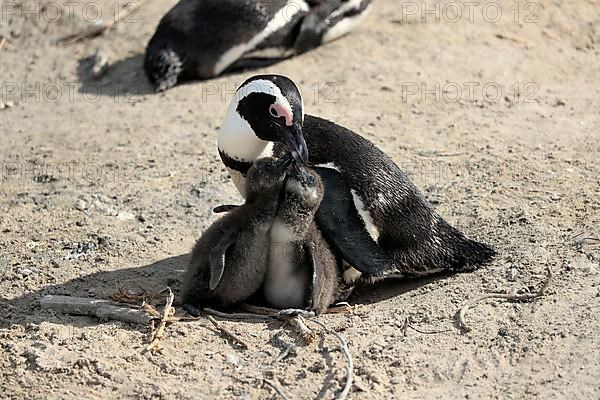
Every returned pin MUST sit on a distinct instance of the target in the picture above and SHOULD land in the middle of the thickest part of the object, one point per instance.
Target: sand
(105, 185)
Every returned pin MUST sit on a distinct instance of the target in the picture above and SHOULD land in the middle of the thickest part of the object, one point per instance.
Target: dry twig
(582, 238)
(298, 323)
(2, 42)
(510, 297)
(292, 316)
(99, 28)
(258, 309)
(237, 316)
(227, 334)
(276, 388)
(346, 351)
(340, 308)
(129, 296)
(407, 325)
(503, 36)
(288, 348)
(151, 310)
(94, 307)
(165, 317)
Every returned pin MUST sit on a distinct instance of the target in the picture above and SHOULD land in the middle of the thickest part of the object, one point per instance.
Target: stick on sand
(95, 308)
(510, 297)
(125, 11)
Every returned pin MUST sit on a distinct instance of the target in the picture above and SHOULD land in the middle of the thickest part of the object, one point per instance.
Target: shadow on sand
(126, 78)
(122, 80)
(152, 279)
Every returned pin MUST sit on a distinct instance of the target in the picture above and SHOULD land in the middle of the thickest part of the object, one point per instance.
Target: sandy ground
(106, 185)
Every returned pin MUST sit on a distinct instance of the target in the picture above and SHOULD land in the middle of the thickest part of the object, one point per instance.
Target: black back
(411, 233)
(198, 32)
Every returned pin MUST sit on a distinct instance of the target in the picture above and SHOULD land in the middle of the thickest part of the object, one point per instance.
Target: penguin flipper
(315, 284)
(217, 260)
(311, 34)
(224, 208)
(343, 228)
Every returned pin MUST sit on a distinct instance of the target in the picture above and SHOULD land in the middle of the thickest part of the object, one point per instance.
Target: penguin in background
(229, 261)
(201, 39)
(303, 271)
(371, 213)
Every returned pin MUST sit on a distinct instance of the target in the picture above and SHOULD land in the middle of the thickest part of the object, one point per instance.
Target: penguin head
(265, 108)
(266, 176)
(304, 186)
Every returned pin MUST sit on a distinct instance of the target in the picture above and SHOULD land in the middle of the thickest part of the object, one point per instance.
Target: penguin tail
(163, 68)
(472, 255)
(463, 254)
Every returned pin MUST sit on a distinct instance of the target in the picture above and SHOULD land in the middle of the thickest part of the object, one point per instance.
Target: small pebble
(125, 216)
(26, 271)
(232, 359)
(6, 104)
(100, 63)
(81, 205)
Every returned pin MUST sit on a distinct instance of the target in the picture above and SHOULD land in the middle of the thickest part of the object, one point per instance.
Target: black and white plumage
(372, 215)
(302, 271)
(200, 39)
(229, 261)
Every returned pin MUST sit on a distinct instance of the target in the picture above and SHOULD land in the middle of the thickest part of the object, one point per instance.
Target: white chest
(239, 181)
(287, 278)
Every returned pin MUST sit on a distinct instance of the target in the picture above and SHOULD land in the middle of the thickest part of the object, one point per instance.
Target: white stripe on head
(345, 25)
(236, 137)
(268, 87)
(345, 7)
(282, 17)
(263, 86)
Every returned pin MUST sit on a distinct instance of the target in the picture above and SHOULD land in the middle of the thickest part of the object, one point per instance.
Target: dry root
(167, 313)
(227, 334)
(276, 388)
(510, 297)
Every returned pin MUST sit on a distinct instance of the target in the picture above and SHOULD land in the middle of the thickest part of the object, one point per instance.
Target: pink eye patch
(278, 110)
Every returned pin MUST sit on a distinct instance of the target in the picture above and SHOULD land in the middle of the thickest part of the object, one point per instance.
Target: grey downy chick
(302, 272)
(229, 261)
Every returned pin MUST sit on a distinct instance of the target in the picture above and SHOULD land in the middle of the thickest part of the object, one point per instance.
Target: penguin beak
(293, 139)
(283, 164)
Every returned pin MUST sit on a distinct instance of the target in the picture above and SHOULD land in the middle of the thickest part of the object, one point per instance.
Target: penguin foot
(192, 310)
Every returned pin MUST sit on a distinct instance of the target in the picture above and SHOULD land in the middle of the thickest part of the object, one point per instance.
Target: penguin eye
(273, 111)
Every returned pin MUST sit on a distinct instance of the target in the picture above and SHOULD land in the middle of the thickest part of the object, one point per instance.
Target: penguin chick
(302, 270)
(229, 261)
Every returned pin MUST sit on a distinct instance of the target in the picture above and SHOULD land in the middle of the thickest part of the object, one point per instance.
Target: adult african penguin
(371, 213)
(200, 39)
